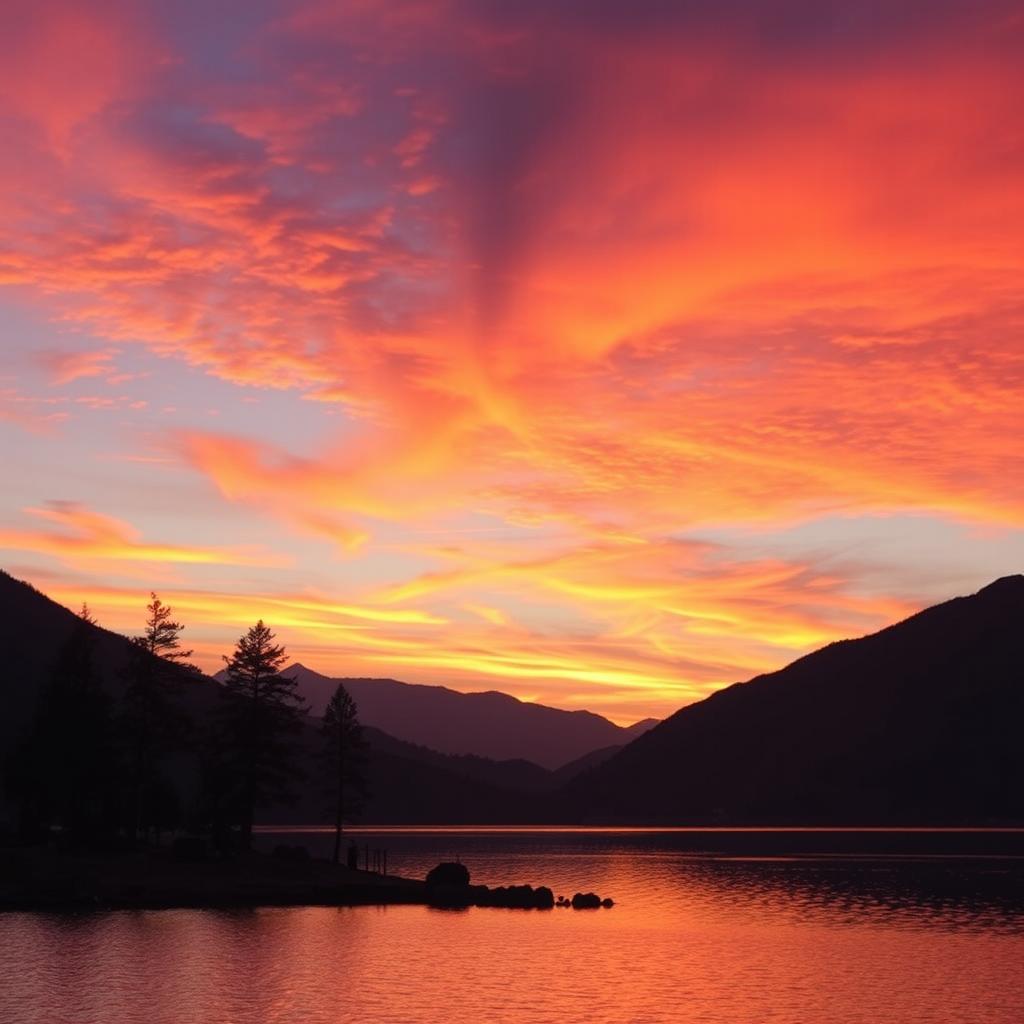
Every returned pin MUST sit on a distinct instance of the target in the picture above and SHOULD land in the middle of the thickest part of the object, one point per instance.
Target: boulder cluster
(585, 901)
(448, 886)
(524, 897)
(521, 897)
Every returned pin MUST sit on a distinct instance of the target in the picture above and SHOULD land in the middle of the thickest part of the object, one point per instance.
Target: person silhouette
(353, 856)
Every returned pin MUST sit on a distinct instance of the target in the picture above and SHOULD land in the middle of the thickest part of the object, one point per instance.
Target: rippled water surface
(705, 929)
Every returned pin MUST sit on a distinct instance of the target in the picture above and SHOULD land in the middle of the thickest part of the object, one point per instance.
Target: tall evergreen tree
(261, 717)
(162, 635)
(344, 757)
(153, 722)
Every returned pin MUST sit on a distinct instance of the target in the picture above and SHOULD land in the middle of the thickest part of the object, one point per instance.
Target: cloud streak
(84, 535)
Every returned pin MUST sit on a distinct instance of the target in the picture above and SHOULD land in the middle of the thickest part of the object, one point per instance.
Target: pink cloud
(65, 367)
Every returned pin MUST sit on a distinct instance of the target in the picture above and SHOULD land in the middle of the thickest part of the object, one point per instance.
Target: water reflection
(716, 936)
(795, 873)
(916, 892)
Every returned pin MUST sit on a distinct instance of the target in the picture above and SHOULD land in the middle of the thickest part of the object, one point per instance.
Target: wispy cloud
(81, 534)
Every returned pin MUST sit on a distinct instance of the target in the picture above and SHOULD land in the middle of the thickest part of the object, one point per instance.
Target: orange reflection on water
(692, 936)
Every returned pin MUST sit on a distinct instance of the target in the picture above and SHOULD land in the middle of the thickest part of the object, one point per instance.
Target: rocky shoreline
(40, 879)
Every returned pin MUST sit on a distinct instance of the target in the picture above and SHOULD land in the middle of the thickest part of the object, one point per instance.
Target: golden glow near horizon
(599, 358)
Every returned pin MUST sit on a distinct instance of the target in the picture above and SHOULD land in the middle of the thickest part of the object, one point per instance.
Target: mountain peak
(1013, 584)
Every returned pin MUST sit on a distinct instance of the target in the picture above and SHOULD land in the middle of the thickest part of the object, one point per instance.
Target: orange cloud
(685, 635)
(87, 535)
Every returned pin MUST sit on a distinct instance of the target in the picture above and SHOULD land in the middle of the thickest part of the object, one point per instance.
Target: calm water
(707, 928)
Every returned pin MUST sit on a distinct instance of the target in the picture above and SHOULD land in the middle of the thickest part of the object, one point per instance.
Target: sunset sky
(604, 353)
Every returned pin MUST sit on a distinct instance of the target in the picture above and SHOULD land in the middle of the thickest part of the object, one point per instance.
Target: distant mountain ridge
(408, 782)
(491, 724)
(920, 723)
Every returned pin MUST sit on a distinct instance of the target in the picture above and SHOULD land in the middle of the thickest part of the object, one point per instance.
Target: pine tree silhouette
(343, 756)
(261, 715)
(152, 721)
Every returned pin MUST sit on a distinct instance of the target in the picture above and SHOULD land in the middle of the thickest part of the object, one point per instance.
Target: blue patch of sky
(213, 34)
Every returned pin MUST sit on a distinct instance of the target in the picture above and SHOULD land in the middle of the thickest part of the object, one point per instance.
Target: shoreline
(42, 879)
(46, 879)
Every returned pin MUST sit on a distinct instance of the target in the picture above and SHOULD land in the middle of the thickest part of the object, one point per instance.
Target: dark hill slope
(411, 785)
(32, 631)
(516, 775)
(922, 722)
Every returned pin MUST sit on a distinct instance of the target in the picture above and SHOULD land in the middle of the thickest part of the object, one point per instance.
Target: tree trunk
(247, 826)
(249, 808)
(339, 808)
(337, 834)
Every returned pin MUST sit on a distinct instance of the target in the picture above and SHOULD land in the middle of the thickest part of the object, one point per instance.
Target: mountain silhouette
(407, 782)
(920, 723)
(492, 725)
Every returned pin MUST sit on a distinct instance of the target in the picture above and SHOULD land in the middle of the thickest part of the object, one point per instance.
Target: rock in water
(448, 873)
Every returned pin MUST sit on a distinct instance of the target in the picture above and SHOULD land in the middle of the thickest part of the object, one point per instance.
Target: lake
(709, 926)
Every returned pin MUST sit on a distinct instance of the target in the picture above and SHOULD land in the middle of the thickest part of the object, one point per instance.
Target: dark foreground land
(42, 878)
(47, 879)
